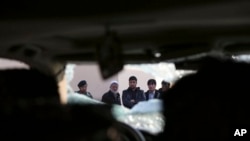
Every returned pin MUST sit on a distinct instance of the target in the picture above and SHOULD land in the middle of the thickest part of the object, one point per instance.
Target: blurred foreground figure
(209, 105)
(30, 110)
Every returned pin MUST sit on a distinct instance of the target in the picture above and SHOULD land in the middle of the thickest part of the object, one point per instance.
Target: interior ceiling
(91, 8)
(175, 28)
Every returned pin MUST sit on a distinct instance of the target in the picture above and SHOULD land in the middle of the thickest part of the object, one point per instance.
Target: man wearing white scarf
(112, 96)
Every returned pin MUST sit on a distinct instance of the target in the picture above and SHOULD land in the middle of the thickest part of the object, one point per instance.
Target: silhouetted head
(27, 84)
(210, 104)
(132, 82)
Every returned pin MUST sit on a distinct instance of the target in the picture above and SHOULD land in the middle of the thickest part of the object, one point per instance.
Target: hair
(151, 81)
(23, 83)
(82, 83)
(132, 78)
(163, 82)
(30, 99)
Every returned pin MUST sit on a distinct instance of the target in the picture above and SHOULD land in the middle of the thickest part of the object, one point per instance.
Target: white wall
(12, 64)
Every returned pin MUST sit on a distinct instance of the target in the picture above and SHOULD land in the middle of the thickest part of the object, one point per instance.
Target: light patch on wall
(12, 64)
(161, 71)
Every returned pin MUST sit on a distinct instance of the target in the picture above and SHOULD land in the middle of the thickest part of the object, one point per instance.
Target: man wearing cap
(112, 96)
(82, 85)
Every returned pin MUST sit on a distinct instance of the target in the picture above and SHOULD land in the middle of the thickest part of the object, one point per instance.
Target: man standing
(82, 85)
(112, 96)
(152, 92)
(133, 94)
(165, 86)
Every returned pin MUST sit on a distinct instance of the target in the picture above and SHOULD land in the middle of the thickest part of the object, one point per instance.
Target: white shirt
(151, 95)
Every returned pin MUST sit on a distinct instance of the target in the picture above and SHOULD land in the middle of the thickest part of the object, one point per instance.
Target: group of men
(130, 96)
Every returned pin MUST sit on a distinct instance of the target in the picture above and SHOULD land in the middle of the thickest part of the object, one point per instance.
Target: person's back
(29, 100)
(30, 110)
(27, 84)
(209, 105)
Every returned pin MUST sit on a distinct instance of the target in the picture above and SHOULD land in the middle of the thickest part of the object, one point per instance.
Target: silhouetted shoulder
(209, 104)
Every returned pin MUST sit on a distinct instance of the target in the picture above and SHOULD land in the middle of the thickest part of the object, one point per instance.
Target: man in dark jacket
(152, 91)
(82, 85)
(112, 96)
(133, 94)
(165, 86)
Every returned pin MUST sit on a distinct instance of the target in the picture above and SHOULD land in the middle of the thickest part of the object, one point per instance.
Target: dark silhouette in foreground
(30, 110)
(209, 105)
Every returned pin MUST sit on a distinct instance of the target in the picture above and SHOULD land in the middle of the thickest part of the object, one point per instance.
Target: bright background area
(12, 64)
(98, 86)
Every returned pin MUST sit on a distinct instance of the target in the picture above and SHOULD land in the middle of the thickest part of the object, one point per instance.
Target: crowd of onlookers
(130, 96)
